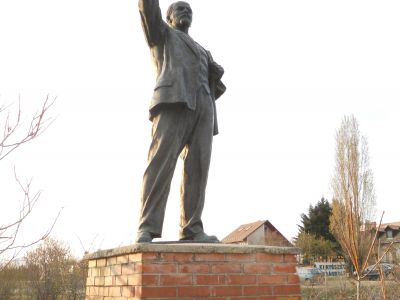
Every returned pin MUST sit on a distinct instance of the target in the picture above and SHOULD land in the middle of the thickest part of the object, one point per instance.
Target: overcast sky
(293, 69)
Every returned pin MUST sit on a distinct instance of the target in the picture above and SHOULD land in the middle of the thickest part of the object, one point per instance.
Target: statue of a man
(184, 120)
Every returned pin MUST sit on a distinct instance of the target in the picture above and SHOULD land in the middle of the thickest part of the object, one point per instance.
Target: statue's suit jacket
(177, 60)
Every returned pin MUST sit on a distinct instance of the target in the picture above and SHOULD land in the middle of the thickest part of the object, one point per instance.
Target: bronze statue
(184, 120)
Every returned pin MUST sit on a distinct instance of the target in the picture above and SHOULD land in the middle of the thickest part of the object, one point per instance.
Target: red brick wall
(219, 276)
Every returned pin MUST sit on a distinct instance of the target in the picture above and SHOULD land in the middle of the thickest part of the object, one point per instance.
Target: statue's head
(179, 15)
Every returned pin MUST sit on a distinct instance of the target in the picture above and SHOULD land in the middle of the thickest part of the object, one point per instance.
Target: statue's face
(181, 16)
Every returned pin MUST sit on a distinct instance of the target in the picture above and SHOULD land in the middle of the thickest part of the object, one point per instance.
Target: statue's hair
(171, 8)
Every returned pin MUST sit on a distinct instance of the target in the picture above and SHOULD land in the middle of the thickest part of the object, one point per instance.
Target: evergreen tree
(315, 228)
(318, 220)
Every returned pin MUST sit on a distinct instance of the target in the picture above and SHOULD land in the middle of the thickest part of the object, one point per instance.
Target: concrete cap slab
(190, 248)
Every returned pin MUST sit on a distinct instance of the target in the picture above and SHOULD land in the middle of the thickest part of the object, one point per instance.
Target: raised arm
(152, 22)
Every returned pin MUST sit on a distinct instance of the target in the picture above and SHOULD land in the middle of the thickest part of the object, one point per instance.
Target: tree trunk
(358, 288)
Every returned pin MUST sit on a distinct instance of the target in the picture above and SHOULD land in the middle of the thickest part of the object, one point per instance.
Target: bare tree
(48, 268)
(15, 133)
(314, 248)
(353, 205)
(11, 281)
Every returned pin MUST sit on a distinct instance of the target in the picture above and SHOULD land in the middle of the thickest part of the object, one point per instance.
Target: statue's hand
(217, 70)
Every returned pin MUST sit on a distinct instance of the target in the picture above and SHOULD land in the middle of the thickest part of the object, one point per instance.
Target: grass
(343, 288)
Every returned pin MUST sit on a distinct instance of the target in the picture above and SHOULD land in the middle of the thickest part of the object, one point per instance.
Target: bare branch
(14, 134)
(379, 260)
(27, 204)
(373, 243)
(38, 124)
(9, 233)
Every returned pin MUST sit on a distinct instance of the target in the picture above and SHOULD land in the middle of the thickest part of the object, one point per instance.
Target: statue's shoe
(201, 237)
(144, 237)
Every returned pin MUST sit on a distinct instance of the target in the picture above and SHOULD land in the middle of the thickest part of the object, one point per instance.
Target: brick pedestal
(193, 271)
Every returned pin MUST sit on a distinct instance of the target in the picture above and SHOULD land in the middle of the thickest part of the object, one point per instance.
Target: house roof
(393, 226)
(242, 232)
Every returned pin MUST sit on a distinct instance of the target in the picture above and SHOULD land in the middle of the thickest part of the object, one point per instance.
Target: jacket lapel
(189, 42)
